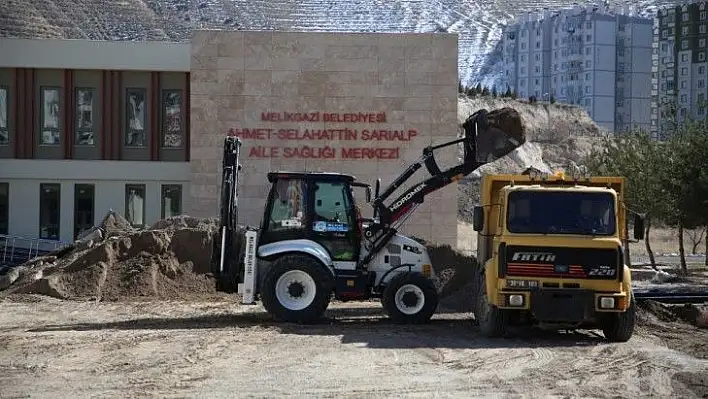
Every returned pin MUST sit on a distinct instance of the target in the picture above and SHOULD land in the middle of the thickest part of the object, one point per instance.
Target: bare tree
(696, 237)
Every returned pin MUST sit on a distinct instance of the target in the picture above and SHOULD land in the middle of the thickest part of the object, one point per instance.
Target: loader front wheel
(410, 298)
(297, 288)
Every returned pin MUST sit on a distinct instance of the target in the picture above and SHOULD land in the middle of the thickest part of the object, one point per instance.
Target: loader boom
(388, 218)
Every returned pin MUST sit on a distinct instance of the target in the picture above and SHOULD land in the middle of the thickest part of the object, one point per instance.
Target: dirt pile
(114, 261)
(454, 271)
(696, 315)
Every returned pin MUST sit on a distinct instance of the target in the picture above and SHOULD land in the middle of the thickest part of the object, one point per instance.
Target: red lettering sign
(344, 117)
(314, 134)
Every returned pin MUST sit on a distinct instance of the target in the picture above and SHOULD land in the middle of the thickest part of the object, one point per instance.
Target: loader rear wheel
(410, 298)
(297, 288)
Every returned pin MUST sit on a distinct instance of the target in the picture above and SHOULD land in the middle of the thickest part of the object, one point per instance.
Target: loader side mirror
(638, 227)
(378, 188)
(478, 218)
(368, 194)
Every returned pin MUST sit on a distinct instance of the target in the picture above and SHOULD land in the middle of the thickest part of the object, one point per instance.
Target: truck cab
(550, 250)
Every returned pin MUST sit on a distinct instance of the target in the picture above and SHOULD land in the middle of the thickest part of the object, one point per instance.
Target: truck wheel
(410, 298)
(490, 319)
(619, 327)
(297, 288)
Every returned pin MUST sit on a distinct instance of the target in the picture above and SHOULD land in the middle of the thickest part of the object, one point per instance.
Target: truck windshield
(553, 212)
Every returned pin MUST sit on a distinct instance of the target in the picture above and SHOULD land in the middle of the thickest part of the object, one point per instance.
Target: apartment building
(681, 70)
(586, 56)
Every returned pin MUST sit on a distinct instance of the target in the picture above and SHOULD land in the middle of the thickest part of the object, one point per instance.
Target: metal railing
(15, 250)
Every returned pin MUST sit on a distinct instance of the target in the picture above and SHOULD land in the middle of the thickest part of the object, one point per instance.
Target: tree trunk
(648, 245)
(705, 252)
(682, 251)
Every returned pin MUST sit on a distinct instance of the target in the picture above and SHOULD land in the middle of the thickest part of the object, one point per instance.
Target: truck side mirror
(478, 218)
(638, 227)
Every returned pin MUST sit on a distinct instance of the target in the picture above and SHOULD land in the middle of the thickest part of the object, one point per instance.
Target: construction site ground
(218, 348)
(134, 312)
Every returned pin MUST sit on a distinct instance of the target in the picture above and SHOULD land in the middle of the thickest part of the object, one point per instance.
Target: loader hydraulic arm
(482, 143)
(389, 215)
(223, 259)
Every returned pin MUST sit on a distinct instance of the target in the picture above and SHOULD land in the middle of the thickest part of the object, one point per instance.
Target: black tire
(491, 320)
(323, 283)
(430, 298)
(619, 327)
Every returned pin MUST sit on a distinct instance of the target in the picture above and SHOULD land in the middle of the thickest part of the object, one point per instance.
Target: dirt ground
(215, 348)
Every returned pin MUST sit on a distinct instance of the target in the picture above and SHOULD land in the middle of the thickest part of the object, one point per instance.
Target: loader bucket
(496, 134)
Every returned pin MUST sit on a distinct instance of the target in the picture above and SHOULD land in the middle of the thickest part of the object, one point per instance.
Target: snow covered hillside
(478, 22)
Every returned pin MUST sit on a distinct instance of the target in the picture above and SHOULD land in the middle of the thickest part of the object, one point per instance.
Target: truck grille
(560, 262)
(541, 270)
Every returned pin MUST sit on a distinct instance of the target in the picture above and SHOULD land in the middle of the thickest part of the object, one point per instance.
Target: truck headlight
(516, 300)
(607, 302)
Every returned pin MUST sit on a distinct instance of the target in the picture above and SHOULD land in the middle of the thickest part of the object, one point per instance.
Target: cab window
(332, 206)
(288, 205)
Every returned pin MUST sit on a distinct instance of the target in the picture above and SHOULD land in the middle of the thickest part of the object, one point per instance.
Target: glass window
(4, 110)
(4, 207)
(84, 122)
(84, 204)
(50, 116)
(135, 204)
(332, 203)
(333, 223)
(136, 116)
(171, 200)
(288, 210)
(536, 212)
(171, 118)
(49, 210)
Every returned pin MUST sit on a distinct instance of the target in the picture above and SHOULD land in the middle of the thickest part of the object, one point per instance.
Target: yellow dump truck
(550, 253)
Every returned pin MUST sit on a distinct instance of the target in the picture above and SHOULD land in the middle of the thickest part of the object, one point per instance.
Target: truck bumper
(564, 305)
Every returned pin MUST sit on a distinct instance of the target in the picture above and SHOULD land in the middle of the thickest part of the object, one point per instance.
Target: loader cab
(313, 206)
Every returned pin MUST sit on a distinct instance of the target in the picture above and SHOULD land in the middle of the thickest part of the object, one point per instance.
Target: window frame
(42, 92)
(6, 129)
(163, 192)
(42, 188)
(92, 129)
(128, 132)
(5, 215)
(126, 197)
(163, 119)
(77, 187)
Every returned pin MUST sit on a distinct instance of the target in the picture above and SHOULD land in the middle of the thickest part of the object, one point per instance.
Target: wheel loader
(313, 244)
